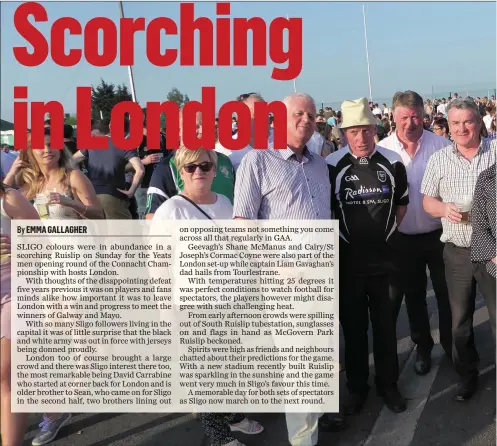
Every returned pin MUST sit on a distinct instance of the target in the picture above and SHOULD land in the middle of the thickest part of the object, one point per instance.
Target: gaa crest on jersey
(382, 176)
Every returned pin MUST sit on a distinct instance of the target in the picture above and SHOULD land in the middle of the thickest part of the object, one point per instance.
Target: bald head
(299, 96)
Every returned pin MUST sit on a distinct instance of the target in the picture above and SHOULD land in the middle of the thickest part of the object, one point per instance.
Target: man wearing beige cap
(369, 198)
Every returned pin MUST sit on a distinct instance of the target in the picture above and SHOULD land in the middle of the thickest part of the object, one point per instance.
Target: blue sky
(450, 46)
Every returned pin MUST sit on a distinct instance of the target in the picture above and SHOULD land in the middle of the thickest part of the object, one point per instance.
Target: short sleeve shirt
(450, 176)
(106, 168)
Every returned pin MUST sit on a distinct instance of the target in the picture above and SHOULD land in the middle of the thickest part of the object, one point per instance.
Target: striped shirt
(273, 184)
(450, 176)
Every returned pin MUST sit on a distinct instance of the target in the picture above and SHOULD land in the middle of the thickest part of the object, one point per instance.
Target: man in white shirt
(442, 108)
(418, 241)
(236, 156)
(377, 110)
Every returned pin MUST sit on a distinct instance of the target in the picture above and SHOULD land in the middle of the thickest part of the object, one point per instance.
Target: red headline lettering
(248, 126)
(228, 37)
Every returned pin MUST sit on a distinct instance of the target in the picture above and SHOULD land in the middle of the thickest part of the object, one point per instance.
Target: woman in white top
(197, 202)
(70, 196)
(12, 206)
(49, 172)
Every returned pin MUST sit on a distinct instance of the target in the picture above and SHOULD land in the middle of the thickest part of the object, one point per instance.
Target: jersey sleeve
(161, 187)
(333, 179)
(402, 190)
(129, 154)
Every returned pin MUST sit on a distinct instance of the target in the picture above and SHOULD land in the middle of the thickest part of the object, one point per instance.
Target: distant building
(7, 137)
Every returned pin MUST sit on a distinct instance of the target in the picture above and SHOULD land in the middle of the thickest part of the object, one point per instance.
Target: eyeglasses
(204, 167)
(244, 96)
(437, 128)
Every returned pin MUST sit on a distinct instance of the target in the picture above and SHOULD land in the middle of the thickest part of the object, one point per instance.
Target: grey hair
(464, 104)
(255, 96)
(293, 96)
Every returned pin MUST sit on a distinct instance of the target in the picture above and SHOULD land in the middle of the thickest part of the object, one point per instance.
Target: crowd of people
(412, 185)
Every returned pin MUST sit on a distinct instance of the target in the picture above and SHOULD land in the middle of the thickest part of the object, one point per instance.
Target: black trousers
(462, 278)
(363, 298)
(415, 253)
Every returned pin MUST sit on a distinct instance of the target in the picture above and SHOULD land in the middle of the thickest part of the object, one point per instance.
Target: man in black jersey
(369, 198)
(150, 159)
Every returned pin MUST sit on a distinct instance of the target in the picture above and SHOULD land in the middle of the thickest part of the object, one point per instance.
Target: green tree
(176, 96)
(71, 120)
(122, 94)
(105, 96)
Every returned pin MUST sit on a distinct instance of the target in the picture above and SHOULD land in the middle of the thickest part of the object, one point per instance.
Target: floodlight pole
(130, 69)
(367, 53)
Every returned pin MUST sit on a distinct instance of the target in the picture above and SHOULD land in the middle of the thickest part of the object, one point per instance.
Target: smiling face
(198, 172)
(409, 123)
(301, 121)
(439, 130)
(465, 127)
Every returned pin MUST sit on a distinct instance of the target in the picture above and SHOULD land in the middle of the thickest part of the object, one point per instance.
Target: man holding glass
(448, 187)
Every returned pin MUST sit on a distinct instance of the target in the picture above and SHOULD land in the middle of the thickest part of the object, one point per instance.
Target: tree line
(106, 95)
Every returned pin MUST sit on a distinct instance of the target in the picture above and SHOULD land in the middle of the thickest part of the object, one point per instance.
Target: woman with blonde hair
(12, 206)
(47, 172)
(197, 169)
(47, 177)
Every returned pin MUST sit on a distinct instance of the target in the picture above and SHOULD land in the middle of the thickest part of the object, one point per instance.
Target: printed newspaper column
(180, 316)
(87, 332)
(257, 304)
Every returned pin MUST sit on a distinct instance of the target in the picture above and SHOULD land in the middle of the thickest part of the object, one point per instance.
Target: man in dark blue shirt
(106, 171)
(369, 198)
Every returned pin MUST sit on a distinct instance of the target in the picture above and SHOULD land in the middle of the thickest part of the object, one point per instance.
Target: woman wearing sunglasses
(197, 169)
(197, 202)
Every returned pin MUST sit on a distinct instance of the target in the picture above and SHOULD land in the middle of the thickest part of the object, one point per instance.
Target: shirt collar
(400, 146)
(357, 157)
(287, 153)
(481, 148)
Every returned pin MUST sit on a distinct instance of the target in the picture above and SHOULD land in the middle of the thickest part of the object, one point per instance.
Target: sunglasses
(204, 167)
(244, 96)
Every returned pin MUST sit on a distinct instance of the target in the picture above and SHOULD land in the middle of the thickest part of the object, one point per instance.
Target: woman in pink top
(12, 206)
